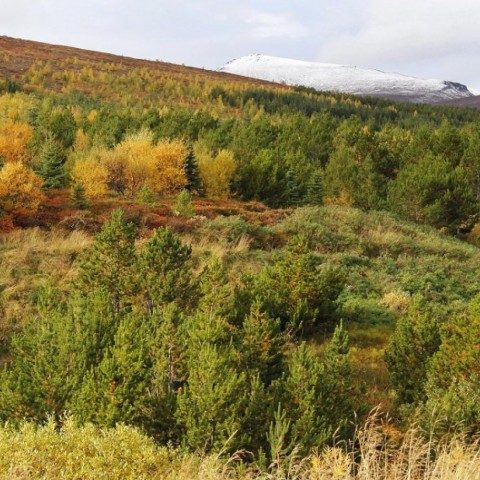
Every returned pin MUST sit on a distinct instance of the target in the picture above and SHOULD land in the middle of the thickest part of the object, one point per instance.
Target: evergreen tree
(111, 263)
(53, 353)
(192, 172)
(294, 198)
(298, 288)
(167, 354)
(453, 382)
(117, 389)
(261, 344)
(318, 396)
(183, 205)
(416, 339)
(165, 270)
(77, 197)
(51, 167)
(211, 405)
(315, 189)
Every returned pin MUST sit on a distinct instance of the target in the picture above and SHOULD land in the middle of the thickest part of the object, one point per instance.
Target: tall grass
(29, 259)
(376, 453)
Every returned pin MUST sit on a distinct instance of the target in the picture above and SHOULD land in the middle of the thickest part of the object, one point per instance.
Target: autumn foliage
(20, 189)
(14, 137)
(132, 165)
(92, 176)
(217, 173)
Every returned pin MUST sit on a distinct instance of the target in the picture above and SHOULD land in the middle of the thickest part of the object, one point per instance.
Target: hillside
(346, 79)
(239, 270)
(42, 66)
(472, 102)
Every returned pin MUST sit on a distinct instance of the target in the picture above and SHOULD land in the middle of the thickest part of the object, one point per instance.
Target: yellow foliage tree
(92, 175)
(170, 157)
(81, 141)
(16, 107)
(20, 188)
(137, 162)
(216, 172)
(133, 158)
(14, 137)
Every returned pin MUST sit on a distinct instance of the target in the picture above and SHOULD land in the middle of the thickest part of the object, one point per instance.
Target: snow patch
(346, 79)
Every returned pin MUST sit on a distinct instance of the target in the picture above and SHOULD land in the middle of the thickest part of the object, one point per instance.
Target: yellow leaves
(92, 116)
(20, 188)
(133, 159)
(170, 157)
(16, 107)
(159, 167)
(14, 137)
(133, 164)
(81, 141)
(92, 176)
(216, 172)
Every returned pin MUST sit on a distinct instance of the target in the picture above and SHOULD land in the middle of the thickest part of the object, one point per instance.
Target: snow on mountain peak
(345, 78)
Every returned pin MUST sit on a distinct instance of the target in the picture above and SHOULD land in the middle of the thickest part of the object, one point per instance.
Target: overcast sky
(426, 38)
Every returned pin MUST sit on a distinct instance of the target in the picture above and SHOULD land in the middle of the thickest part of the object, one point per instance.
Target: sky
(425, 38)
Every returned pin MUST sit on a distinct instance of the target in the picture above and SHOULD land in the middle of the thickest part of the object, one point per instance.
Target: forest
(210, 277)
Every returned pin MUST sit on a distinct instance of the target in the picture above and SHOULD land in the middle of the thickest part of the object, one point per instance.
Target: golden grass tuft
(377, 453)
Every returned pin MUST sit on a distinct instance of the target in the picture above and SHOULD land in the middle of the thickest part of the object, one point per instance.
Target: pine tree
(340, 394)
(167, 354)
(411, 347)
(117, 389)
(53, 353)
(211, 404)
(51, 167)
(111, 263)
(293, 196)
(165, 270)
(261, 345)
(192, 172)
(77, 197)
(298, 288)
(315, 189)
(183, 205)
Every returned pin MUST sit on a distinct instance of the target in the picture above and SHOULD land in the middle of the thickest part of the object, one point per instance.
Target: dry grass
(29, 259)
(379, 453)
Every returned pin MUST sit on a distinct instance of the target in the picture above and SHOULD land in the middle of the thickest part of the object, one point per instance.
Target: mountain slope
(20, 60)
(468, 102)
(348, 79)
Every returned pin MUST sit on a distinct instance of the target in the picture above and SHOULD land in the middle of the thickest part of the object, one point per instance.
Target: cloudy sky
(426, 38)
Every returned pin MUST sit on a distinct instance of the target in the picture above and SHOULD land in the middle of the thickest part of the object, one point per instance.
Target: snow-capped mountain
(348, 79)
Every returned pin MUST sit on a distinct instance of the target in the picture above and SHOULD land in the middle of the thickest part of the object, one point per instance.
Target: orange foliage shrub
(20, 188)
(14, 137)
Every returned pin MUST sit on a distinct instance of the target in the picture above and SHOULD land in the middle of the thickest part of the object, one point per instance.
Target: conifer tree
(315, 189)
(192, 172)
(183, 204)
(53, 353)
(298, 288)
(51, 167)
(261, 345)
(110, 264)
(294, 198)
(318, 395)
(211, 404)
(167, 354)
(77, 197)
(165, 270)
(411, 348)
(117, 389)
